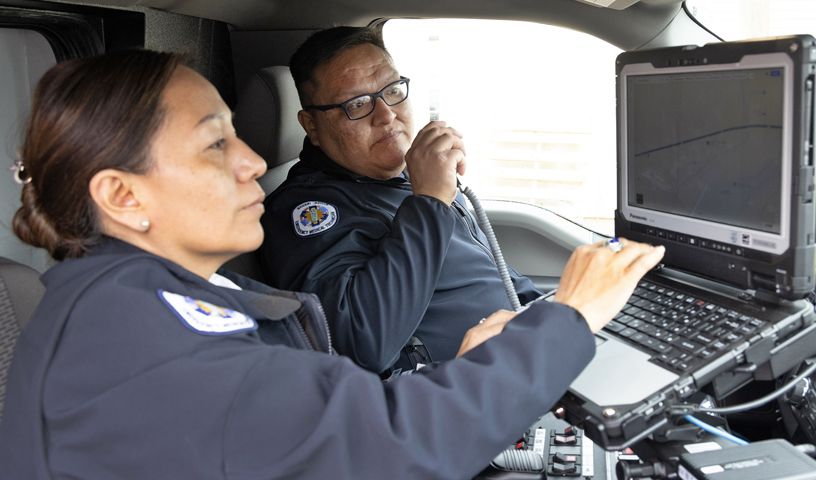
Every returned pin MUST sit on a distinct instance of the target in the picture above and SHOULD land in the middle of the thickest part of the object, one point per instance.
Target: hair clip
(20, 170)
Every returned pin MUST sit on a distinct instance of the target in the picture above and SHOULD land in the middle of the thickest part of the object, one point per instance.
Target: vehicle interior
(530, 83)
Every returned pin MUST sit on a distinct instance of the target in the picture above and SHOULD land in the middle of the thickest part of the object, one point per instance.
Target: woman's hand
(598, 281)
(487, 328)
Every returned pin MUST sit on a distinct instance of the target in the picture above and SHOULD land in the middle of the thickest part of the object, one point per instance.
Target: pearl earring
(145, 224)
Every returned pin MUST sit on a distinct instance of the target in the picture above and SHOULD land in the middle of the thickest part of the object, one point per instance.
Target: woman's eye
(218, 145)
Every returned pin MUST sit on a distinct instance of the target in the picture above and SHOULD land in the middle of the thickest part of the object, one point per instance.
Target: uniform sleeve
(306, 415)
(375, 276)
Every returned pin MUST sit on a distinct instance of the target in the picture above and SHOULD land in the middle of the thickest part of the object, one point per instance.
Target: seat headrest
(266, 115)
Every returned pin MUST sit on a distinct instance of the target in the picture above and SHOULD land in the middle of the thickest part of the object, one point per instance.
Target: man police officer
(394, 261)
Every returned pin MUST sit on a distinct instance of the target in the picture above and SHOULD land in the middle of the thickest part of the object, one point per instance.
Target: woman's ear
(116, 202)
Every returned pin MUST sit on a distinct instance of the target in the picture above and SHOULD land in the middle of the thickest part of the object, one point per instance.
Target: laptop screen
(705, 151)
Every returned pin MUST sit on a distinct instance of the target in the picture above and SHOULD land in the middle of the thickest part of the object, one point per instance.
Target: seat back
(266, 119)
(20, 292)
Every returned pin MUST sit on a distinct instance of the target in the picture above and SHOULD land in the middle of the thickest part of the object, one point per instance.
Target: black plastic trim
(75, 31)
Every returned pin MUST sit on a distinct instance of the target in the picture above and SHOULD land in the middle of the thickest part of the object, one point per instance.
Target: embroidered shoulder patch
(313, 217)
(205, 318)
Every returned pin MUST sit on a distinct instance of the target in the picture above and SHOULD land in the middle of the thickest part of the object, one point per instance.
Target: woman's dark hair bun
(33, 228)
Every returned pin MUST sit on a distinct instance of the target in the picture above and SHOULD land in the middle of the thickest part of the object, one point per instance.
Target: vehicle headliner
(629, 28)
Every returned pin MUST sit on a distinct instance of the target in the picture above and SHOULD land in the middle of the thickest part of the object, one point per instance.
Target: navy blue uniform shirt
(109, 381)
(386, 264)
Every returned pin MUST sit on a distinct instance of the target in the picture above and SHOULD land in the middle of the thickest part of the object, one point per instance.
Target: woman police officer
(141, 362)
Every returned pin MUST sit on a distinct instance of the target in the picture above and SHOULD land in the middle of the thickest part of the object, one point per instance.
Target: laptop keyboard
(679, 331)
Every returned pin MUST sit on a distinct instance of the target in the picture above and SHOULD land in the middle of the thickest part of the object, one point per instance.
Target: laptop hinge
(765, 287)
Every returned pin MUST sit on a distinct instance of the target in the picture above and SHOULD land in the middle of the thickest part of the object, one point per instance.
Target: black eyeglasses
(362, 106)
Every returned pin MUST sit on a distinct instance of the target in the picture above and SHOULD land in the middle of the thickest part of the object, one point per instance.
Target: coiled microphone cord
(484, 224)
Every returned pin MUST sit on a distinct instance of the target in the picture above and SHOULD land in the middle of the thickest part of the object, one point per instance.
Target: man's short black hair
(323, 46)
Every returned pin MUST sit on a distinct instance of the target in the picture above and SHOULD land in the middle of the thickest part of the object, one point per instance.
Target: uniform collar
(113, 246)
(260, 300)
(312, 159)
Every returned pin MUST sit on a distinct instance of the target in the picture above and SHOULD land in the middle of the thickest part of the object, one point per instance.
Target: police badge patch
(313, 217)
(204, 317)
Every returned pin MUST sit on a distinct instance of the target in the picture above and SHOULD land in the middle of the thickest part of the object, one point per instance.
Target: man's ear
(307, 122)
(116, 202)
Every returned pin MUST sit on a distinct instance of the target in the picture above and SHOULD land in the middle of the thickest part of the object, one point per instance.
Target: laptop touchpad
(619, 375)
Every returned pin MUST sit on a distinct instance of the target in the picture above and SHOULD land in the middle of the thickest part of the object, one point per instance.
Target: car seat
(266, 119)
(20, 292)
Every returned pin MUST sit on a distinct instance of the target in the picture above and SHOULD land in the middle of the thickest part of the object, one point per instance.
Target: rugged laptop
(715, 161)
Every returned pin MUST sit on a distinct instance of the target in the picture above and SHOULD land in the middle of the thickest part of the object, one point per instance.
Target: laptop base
(787, 338)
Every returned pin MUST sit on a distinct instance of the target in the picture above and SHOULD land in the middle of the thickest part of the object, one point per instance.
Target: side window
(740, 19)
(24, 56)
(536, 105)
